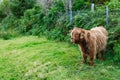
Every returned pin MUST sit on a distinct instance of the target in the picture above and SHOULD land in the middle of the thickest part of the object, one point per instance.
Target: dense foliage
(26, 17)
(18, 7)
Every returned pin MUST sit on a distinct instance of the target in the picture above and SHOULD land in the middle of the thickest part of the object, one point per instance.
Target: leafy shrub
(27, 20)
(114, 31)
(116, 49)
(114, 4)
(8, 22)
(89, 19)
(78, 4)
(5, 35)
(2, 15)
(4, 9)
(8, 27)
(52, 15)
(30, 22)
(114, 43)
(60, 30)
(9, 34)
(18, 7)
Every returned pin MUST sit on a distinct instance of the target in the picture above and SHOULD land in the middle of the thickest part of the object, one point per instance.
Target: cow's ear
(82, 34)
(83, 31)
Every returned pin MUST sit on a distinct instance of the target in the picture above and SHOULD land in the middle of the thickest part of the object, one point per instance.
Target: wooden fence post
(92, 7)
(107, 15)
(70, 12)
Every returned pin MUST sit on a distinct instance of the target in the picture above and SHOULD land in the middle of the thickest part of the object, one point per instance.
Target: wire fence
(107, 15)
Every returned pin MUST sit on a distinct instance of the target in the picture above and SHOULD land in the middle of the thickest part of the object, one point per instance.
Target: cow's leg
(84, 58)
(97, 56)
(101, 55)
(91, 61)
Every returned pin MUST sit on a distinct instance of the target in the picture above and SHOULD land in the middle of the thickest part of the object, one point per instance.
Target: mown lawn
(33, 58)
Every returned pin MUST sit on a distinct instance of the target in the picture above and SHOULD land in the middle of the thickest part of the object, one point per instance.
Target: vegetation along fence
(105, 16)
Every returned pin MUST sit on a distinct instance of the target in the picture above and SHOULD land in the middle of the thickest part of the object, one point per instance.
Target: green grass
(33, 58)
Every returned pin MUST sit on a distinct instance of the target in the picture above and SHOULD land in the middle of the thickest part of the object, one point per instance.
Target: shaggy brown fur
(91, 42)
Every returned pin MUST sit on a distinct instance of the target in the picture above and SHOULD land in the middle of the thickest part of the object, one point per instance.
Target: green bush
(18, 7)
(4, 9)
(8, 22)
(9, 34)
(61, 30)
(89, 19)
(2, 15)
(114, 43)
(114, 4)
(116, 49)
(30, 18)
(78, 4)
(8, 27)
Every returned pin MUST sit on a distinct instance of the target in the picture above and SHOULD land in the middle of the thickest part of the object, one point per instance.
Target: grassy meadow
(33, 58)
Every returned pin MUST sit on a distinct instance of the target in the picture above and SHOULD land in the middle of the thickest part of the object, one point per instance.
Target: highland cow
(91, 42)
